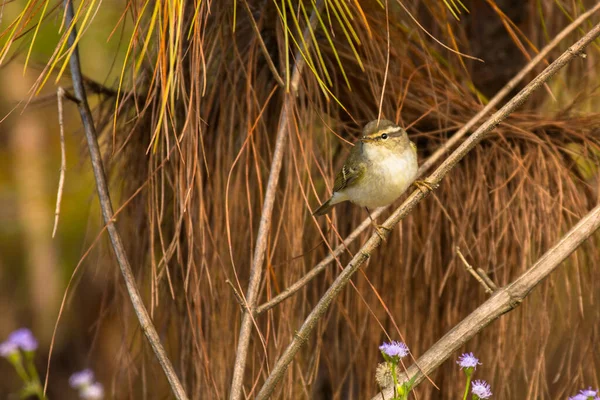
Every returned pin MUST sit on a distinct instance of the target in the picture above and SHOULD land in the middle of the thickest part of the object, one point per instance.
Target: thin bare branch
(430, 162)
(266, 215)
(434, 179)
(503, 301)
(488, 281)
(470, 269)
(60, 94)
(108, 214)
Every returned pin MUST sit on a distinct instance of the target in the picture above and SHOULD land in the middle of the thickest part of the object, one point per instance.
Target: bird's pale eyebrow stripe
(390, 130)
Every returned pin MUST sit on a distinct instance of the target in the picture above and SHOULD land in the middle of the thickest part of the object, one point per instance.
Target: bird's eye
(384, 136)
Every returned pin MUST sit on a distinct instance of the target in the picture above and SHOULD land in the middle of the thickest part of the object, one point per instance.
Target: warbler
(379, 168)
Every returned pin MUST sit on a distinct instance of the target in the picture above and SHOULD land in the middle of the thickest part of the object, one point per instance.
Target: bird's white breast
(388, 176)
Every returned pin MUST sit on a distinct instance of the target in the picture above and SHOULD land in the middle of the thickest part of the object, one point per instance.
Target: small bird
(379, 168)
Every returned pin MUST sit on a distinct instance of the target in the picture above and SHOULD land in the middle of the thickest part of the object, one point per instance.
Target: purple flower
(24, 339)
(94, 391)
(589, 392)
(585, 394)
(394, 349)
(81, 379)
(468, 360)
(578, 397)
(8, 348)
(481, 389)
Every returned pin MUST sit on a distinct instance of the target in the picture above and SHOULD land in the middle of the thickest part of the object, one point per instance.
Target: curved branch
(426, 166)
(503, 301)
(363, 254)
(108, 214)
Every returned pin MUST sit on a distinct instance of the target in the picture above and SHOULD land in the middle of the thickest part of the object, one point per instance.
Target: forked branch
(108, 214)
(434, 179)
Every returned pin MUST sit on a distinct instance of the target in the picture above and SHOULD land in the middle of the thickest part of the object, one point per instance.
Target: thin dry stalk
(60, 94)
(434, 179)
(503, 301)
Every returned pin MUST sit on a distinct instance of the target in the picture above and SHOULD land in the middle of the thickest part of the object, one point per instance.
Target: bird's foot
(425, 186)
(381, 231)
(378, 228)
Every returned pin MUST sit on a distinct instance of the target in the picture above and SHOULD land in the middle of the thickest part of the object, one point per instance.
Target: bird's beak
(366, 139)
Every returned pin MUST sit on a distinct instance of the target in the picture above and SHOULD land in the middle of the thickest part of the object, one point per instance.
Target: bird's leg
(425, 186)
(378, 228)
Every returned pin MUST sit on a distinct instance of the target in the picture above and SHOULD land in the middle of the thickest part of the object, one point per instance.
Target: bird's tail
(324, 209)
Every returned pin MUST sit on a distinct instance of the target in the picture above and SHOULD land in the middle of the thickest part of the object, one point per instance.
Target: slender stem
(434, 179)
(108, 214)
(467, 387)
(35, 378)
(502, 301)
(31, 366)
(394, 378)
(18, 365)
(428, 164)
(265, 221)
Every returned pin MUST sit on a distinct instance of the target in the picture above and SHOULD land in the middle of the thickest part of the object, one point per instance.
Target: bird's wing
(348, 176)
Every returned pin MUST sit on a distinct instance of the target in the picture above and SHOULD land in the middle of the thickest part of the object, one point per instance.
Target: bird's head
(385, 134)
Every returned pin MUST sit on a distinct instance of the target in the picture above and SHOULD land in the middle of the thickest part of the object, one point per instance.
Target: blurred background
(188, 157)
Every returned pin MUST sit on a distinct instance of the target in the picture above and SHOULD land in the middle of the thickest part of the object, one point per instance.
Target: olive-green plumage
(379, 168)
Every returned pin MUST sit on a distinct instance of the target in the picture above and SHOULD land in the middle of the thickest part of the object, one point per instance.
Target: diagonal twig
(471, 270)
(266, 215)
(501, 302)
(486, 278)
(108, 214)
(426, 166)
(434, 179)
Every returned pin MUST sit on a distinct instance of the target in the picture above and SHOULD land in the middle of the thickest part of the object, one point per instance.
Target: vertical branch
(302, 334)
(266, 216)
(108, 215)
